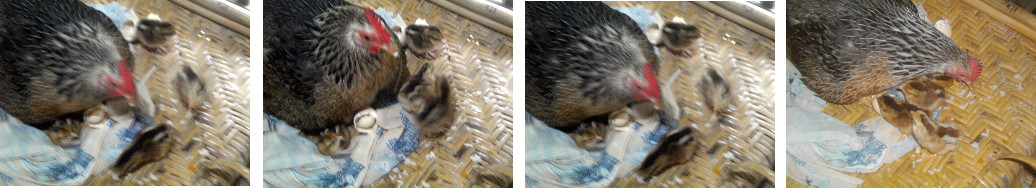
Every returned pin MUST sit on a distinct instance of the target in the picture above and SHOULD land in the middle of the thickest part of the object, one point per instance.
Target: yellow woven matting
(996, 115)
(479, 60)
(747, 59)
(220, 141)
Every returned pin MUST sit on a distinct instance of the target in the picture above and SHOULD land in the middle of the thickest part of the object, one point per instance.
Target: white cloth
(290, 160)
(820, 146)
(552, 158)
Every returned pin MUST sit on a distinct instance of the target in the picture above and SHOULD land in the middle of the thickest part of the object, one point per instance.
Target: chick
(493, 176)
(589, 134)
(152, 33)
(897, 113)
(924, 93)
(332, 141)
(680, 38)
(65, 131)
(423, 40)
(942, 80)
(675, 148)
(193, 88)
(429, 101)
(717, 93)
(937, 138)
(150, 145)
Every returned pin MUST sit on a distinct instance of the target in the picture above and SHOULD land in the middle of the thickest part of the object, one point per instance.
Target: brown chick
(924, 93)
(424, 40)
(429, 101)
(65, 131)
(897, 113)
(942, 80)
(675, 148)
(152, 33)
(589, 134)
(681, 39)
(493, 176)
(717, 94)
(937, 138)
(332, 141)
(150, 145)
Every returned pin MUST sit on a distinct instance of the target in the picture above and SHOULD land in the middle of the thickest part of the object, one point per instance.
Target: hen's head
(376, 37)
(645, 88)
(966, 74)
(120, 85)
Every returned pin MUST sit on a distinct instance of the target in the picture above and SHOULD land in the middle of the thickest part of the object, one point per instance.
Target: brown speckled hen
(58, 58)
(325, 61)
(848, 49)
(584, 59)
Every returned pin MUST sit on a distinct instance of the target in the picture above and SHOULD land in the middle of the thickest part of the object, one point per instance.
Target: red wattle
(652, 87)
(976, 68)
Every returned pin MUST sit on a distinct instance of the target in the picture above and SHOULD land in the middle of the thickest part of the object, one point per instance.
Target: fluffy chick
(65, 131)
(924, 93)
(152, 33)
(675, 148)
(429, 101)
(589, 134)
(937, 138)
(680, 38)
(424, 41)
(150, 145)
(897, 113)
(493, 176)
(331, 141)
(717, 94)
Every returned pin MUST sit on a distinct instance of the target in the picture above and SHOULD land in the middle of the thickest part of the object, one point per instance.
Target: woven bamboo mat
(220, 140)
(996, 115)
(744, 57)
(479, 59)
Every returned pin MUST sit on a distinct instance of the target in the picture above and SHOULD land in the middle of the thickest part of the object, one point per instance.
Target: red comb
(382, 35)
(126, 88)
(652, 87)
(976, 68)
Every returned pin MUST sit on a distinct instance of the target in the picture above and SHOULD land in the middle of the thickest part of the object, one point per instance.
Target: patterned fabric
(821, 146)
(28, 157)
(552, 158)
(290, 160)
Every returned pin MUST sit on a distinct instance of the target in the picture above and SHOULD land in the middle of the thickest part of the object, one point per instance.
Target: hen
(59, 58)
(325, 61)
(848, 49)
(584, 59)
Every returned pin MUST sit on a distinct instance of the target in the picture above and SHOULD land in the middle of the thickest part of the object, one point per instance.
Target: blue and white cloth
(28, 157)
(552, 158)
(820, 147)
(290, 160)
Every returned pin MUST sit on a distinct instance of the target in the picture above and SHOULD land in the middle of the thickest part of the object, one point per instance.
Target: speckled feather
(48, 49)
(848, 49)
(577, 54)
(313, 75)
